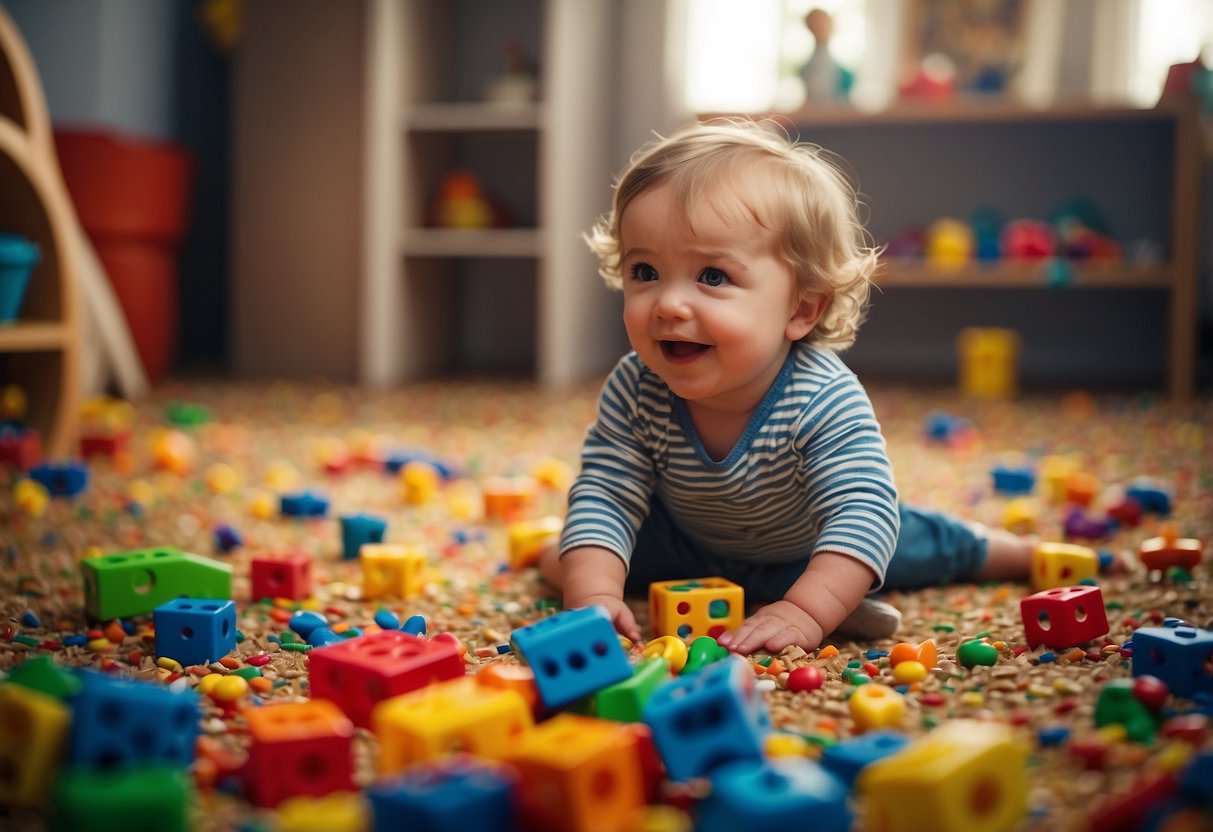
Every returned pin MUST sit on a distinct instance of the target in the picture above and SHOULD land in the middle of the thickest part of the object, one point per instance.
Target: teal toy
(136, 582)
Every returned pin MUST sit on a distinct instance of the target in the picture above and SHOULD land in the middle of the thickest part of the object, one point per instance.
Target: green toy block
(624, 701)
(151, 797)
(40, 673)
(1117, 705)
(136, 582)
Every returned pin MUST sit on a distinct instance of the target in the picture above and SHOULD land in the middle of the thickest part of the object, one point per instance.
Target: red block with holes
(298, 748)
(20, 448)
(359, 673)
(1064, 616)
(282, 576)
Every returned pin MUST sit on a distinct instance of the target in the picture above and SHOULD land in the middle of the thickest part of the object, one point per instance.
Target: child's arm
(592, 575)
(829, 590)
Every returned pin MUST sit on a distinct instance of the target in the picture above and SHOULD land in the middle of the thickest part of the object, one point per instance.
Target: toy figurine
(824, 79)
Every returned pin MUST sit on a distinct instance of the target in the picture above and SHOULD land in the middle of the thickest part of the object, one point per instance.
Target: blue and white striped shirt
(810, 474)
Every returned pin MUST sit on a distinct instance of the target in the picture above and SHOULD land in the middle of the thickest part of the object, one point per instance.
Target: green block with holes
(624, 701)
(121, 799)
(136, 582)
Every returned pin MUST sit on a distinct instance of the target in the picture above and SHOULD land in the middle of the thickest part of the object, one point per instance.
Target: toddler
(733, 441)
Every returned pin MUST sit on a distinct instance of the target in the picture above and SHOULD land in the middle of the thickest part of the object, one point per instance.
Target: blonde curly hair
(753, 171)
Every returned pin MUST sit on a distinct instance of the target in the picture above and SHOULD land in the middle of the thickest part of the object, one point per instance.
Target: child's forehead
(732, 199)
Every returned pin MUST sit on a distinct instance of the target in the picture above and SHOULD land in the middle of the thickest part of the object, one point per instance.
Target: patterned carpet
(239, 447)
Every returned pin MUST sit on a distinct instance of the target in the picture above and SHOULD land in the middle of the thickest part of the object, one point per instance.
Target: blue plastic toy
(573, 654)
(195, 630)
(303, 504)
(784, 794)
(849, 757)
(464, 794)
(65, 479)
(1177, 655)
(1013, 480)
(121, 721)
(360, 529)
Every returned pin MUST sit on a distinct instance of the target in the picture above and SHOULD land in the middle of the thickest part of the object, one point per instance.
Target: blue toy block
(227, 538)
(1153, 499)
(772, 796)
(1177, 655)
(851, 756)
(1196, 781)
(573, 653)
(1013, 480)
(122, 722)
(65, 479)
(358, 529)
(393, 461)
(195, 630)
(463, 793)
(708, 718)
(303, 504)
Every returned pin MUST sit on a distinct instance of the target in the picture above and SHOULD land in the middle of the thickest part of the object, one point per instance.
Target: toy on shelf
(950, 244)
(462, 204)
(1027, 240)
(520, 83)
(18, 257)
(825, 80)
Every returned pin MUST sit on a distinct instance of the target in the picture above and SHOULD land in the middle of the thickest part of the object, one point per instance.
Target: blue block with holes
(195, 630)
(573, 654)
(122, 722)
(851, 756)
(1177, 655)
(460, 793)
(775, 795)
(708, 718)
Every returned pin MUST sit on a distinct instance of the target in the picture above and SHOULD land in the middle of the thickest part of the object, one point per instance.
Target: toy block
(1013, 480)
(195, 630)
(689, 609)
(506, 499)
(104, 445)
(963, 775)
(1053, 473)
(359, 673)
(1020, 515)
(104, 799)
(297, 748)
(1126, 512)
(1078, 525)
(1064, 616)
(876, 706)
(1081, 488)
(303, 504)
(124, 722)
(20, 447)
(344, 811)
(624, 701)
(707, 718)
(66, 479)
(42, 674)
(392, 571)
(528, 538)
(357, 530)
(461, 793)
(1062, 564)
(1180, 656)
(516, 677)
(1153, 497)
(1118, 705)
(419, 482)
(456, 716)
(123, 584)
(573, 653)
(851, 756)
(33, 734)
(287, 575)
(1168, 550)
(763, 794)
(989, 362)
(578, 774)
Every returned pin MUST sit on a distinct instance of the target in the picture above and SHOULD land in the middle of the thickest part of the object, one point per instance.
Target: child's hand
(774, 627)
(620, 612)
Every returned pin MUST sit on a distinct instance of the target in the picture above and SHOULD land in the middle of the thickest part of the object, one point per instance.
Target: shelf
(497, 242)
(915, 274)
(965, 112)
(31, 336)
(473, 116)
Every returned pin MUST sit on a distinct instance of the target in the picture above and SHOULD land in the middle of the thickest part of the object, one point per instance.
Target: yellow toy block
(579, 774)
(1053, 473)
(964, 775)
(1062, 564)
(336, 812)
(1020, 515)
(457, 716)
(876, 706)
(989, 362)
(528, 538)
(391, 571)
(694, 608)
(419, 482)
(33, 730)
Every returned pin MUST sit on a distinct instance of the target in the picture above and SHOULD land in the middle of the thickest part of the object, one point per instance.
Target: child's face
(712, 310)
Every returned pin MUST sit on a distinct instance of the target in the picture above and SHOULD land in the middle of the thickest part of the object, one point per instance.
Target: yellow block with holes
(1062, 564)
(528, 538)
(456, 716)
(391, 571)
(964, 775)
(33, 731)
(876, 706)
(693, 608)
(334, 812)
(579, 774)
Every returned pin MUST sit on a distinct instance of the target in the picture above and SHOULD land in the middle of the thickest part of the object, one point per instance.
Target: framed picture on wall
(963, 47)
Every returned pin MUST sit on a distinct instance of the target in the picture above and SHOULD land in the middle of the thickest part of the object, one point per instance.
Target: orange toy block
(508, 498)
(298, 748)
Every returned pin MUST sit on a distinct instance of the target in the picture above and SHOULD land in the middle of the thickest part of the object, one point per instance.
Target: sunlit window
(1169, 32)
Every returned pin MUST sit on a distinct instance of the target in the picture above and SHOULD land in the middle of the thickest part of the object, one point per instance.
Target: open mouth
(682, 350)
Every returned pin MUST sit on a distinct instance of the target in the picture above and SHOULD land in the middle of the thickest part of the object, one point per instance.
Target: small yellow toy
(419, 482)
(989, 362)
(391, 570)
(33, 732)
(1062, 564)
(1020, 515)
(528, 539)
(876, 706)
(694, 608)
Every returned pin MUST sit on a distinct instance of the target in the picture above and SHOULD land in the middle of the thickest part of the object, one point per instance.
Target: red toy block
(108, 445)
(20, 448)
(1064, 616)
(286, 575)
(298, 748)
(361, 672)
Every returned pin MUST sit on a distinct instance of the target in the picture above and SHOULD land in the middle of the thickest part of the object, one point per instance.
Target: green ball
(973, 653)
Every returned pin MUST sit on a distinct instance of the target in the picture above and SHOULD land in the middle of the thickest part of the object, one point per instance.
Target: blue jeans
(932, 549)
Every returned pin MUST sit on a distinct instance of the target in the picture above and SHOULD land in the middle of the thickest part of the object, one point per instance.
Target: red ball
(805, 679)
(1151, 692)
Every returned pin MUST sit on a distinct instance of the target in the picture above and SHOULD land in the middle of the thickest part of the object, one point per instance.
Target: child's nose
(672, 302)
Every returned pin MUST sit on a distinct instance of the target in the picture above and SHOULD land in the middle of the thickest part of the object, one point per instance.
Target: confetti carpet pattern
(260, 440)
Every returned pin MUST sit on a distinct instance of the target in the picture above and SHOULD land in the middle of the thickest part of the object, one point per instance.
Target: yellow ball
(909, 671)
(230, 689)
(31, 497)
(671, 648)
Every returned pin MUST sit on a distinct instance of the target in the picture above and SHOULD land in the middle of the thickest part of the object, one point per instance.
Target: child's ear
(807, 313)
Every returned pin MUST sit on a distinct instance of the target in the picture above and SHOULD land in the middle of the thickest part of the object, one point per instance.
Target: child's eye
(713, 277)
(644, 273)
